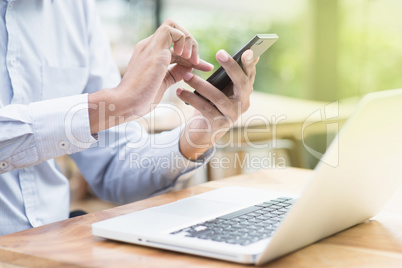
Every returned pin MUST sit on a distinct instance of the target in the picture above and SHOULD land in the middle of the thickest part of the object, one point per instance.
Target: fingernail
(222, 55)
(250, 55)
(188, 76)
(179, 91)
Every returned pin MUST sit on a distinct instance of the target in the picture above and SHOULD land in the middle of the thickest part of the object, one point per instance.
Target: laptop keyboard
(242, 227)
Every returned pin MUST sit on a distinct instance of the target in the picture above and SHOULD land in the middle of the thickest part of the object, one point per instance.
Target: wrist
(105, 110)
(194, 143)
(191, 151)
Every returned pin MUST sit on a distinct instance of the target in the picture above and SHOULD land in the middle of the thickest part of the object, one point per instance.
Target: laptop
(255, 226)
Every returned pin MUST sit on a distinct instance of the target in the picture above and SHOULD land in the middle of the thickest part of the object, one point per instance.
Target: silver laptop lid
(368, 170)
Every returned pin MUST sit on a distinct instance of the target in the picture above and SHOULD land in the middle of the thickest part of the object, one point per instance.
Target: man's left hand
(216, 112)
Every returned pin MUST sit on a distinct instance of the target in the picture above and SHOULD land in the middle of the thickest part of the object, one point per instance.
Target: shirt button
(13, 62)
(63, 145)
(10, 5)
(4, 165)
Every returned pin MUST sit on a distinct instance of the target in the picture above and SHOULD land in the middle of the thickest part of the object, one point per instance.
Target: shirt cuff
(61, 126)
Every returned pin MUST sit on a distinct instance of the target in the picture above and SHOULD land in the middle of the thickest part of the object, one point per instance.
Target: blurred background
(329, 50)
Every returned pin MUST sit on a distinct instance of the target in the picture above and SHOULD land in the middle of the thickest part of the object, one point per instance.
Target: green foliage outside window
(368, 48)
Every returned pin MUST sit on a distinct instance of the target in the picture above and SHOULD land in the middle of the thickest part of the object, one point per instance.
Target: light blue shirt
(52, 54)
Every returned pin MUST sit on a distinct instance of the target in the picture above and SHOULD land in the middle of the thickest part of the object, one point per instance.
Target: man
(62, 94)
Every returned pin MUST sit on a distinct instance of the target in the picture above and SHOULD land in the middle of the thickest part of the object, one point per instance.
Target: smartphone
(258, 44)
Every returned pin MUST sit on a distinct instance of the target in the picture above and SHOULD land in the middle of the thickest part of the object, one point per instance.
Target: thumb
(175, 74)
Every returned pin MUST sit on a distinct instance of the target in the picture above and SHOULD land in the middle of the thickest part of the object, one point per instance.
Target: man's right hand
(147, 77)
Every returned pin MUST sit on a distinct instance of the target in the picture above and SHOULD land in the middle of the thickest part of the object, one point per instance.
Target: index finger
(190, 45)
(202, 65)
(167, 35)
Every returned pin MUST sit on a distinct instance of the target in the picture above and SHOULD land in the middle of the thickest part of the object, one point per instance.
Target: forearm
(191, 151)
(193, 145)
(99, 105)
(106, 109)
(199, 136)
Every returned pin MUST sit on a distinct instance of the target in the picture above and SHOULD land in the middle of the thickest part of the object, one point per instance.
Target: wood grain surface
(374, 243)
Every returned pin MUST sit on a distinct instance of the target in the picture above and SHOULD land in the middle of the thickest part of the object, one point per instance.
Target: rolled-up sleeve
(42, 130)
(128, 164)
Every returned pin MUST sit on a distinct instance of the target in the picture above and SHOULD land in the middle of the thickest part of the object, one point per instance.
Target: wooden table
(374, 243)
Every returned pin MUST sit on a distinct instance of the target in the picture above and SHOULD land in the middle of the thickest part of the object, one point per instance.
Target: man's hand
(147, 76)
(216, 116)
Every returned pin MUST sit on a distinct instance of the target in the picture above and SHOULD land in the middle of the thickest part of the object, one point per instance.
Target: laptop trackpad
(195, 208)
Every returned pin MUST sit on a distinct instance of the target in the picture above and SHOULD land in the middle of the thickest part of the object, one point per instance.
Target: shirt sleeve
(30, 134)
(128, 164)
(43, 130)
